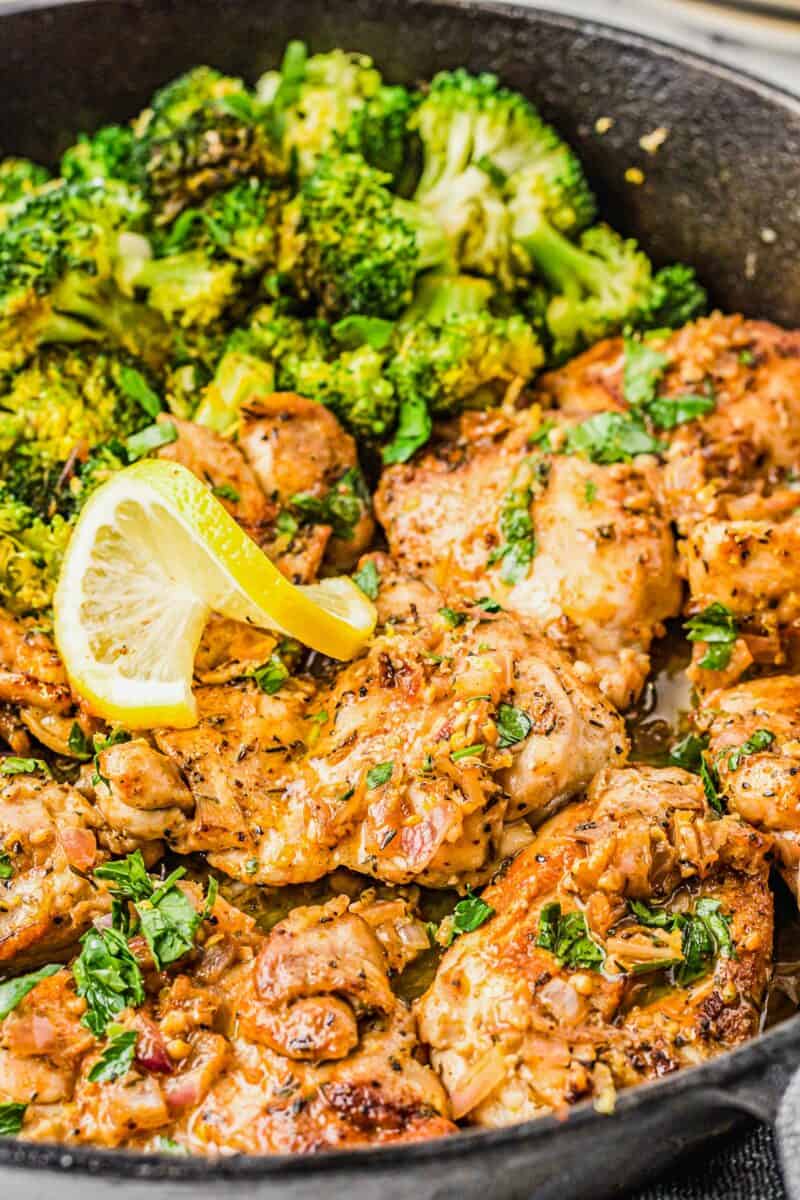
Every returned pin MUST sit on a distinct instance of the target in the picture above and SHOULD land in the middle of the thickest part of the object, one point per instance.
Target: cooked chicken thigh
(293, 1042)
(596, 568)
(520, 1018)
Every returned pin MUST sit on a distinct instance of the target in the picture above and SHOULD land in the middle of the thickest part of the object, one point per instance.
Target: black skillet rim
(718, 1077)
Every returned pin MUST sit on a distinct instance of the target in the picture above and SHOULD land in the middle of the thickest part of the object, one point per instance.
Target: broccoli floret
(203, 132)
(482, 143)
(453, 353)
(57, 259)
(239, 379)
(191, 287)
(106, 154)
(355, 388)
(60, 406)
(19, 177)
(286, 341)
(30, 556)
(380, 131)
(353, 245)
(598, 286)
(675, 298)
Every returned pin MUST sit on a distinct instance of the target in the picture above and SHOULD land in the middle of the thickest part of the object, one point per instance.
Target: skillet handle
(787, 1129)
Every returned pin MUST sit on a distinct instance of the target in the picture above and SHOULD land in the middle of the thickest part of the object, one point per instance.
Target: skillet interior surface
(723, 193)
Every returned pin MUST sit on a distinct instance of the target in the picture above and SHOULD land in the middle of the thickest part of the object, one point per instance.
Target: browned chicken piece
(48, 845)
(401, 598)
(230, 650)
(739, 461)
(297, 447)
(521, 1019)
(410, 765)
(755, 746)
(293, 1042)
(753, 569)
(603, 573)
(140, 794)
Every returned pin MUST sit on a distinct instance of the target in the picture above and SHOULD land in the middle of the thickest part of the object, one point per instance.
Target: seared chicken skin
(293, 1042)
(598, 572)
(517, 1029)
(411, 765)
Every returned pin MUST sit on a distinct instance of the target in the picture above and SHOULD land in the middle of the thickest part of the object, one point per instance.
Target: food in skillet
(313, 839)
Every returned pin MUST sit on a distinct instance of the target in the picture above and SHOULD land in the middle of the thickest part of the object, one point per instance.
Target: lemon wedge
(152, 555)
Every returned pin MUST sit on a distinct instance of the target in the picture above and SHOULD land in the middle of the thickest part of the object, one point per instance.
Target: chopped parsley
(488, 604)
(452, 618)
(134, 385)
(225, 491)
(667, 412)
(152, 437)
(78, 742)
(746, 357)
(414, 427)
(286, 526)
(566, 935)
(117, 1058)
(513, 724)
(11, 1118)
(6, 867)
(368, 578)
(11, 765)
(612, 437)
(272, 675)
(644, 369)
(709, 778)
(762, 739)
(107, 976)
(380, 774)
(705, 935)
(101, 743)
(715, 625)
(341, 508)
(590, 491)
(516, 526)
(688, 752)
(169, 920)
(168, 1145)
(468, 751)
(13, 991)
(129, 877)
(357, 330)
(468, 915)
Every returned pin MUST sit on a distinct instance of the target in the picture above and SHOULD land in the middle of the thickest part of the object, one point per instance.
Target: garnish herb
(13, 991)
(355, 331)
(11, 765)
(293, 72)
(152, 437)
(567, 937)
(11, 1118)
(341, 508)
(224, 491)
(168, 1145)
(452, 618)
(368, 578)
(100, 743)
(117, 1057)
(136, 388)
(762, 739)
(107, 976)
(717, 627)
(612, 437)
(78, 742)
(6, 868)
(688, 752)
(710, 780)
(469, 914)
(380, 774)
(513, 724)
(128, 876)
(272, 675)
(705, 934)
(468, 751)
(667, 412)
(286, 526)
(516, 526)
(644, 370)
(414, 427)
(590, 491)
(488, 604)
(169, 920)
(746, 358)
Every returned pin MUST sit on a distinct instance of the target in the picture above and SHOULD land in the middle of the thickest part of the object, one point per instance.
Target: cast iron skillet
(722, 193)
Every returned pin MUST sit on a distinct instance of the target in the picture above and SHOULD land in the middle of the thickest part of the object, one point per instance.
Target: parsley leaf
(108, 976)
(643, 371)
(715, 625)
(688, 752)
(514, 725)
(101, 743)
(368, 578)
(11, 1118)
(116, 1059)
(152, 437)
(128, 876)
(414, 427)
(762, 739)
(341, 508)
(516, 527)
(468, 751)
(6, 867)
(225, 491)
(611, 437)
(168, 1145)
(379, 774)
(590, 491)
(667, 412)
(136, 388)
(469, 914)
(452, 618)
(78, 742)
(705, 934)
(272, 675)
(356, 330)
(710, 781)
(169, 921)
(488, 604)
(11, 765)
(567, 937)
(13, 991)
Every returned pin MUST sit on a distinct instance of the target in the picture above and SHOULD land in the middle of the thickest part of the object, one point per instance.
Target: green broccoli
(56, 409)
(380, 131)
(57, 260)
(30, 556)
(354, 387)
(239, 379)
(675, 298)
(353, 245)
(202, 133)
(481, 142)
(19, 178)
(106, 154)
